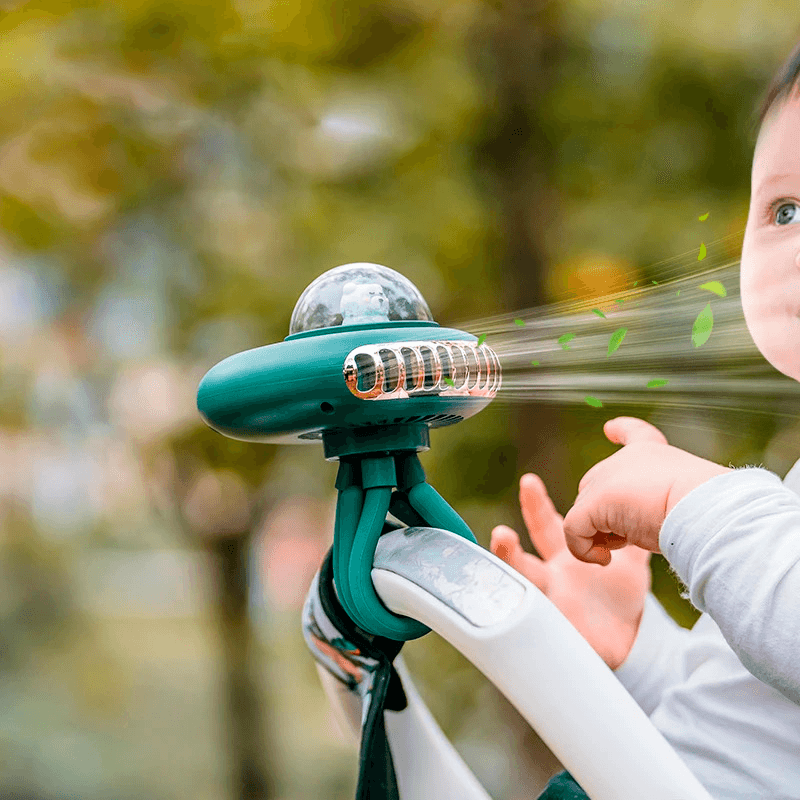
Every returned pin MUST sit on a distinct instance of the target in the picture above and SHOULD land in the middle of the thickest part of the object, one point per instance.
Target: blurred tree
(522, 49)
(219, 496)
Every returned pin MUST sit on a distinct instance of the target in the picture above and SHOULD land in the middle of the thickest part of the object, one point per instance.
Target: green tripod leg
(371, 614)
(401, 508)
(425, 500)
(348, 510)
(355, 541)
(430, 505)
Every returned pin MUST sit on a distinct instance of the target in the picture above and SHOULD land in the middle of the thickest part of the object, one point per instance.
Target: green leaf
(519, 322)
(620, 301)
(656, 382)
(593, 401)
(449, 381)
(655, 282)
(703, 217)
(701, 329)
(481, 339)
(678, 293)
(716, 287)
(599, 313)
(702, 254)
(616, 340)
(635, 282)
(535, 363)
(567, 337)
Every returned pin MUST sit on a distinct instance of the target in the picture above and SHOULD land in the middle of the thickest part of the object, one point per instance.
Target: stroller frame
(513, 634)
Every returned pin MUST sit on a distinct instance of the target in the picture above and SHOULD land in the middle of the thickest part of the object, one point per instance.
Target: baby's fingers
(583, 538)
(543, 522)
(623, 430)
(505, 545)
(590, 551)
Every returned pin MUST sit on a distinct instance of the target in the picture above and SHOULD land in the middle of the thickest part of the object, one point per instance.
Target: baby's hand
(604, 604)
(625, 498)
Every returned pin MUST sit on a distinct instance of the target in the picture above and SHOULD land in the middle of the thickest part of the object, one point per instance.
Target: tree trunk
(249, 758)
(524, 50)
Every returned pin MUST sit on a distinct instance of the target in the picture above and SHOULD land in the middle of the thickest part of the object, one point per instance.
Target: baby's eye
(786, 213)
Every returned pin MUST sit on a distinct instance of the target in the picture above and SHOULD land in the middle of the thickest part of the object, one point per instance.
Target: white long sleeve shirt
(726, 694)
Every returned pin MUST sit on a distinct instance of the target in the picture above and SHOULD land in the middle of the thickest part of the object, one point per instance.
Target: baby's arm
(735, 542)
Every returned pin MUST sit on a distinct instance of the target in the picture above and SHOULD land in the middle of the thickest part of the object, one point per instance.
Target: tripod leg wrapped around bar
(365, 497)
(348, 512)
(365, 488)
(371, 614)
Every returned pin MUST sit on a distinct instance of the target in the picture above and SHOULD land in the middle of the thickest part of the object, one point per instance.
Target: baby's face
(770, 272)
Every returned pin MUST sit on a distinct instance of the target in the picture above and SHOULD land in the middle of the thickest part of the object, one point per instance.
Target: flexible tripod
(370, 486)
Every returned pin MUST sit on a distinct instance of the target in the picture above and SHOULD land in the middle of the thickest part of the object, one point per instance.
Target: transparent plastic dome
(358, 294)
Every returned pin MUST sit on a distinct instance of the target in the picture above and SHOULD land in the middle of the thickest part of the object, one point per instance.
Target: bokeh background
(172, 175)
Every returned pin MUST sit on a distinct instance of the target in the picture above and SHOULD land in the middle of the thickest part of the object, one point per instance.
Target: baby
(726, 694)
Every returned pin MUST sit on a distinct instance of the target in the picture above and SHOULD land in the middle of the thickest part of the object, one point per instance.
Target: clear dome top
(358, 294)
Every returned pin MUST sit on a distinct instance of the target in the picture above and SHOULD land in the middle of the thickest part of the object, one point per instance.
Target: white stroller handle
(513, 634)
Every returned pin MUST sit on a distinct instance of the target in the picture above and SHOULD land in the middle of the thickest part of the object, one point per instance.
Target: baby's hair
(785, 81)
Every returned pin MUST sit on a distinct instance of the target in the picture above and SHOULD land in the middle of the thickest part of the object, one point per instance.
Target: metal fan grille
(400, 370)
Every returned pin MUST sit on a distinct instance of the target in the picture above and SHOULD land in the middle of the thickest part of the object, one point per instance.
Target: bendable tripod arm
(425, 762)
(505, 626)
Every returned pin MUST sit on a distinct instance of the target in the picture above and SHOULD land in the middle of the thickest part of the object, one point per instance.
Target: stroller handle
(513, 634)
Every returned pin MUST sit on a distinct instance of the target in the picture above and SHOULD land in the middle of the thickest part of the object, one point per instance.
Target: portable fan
(366, 371)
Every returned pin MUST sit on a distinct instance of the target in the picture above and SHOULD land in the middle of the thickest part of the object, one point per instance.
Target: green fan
(366, 371)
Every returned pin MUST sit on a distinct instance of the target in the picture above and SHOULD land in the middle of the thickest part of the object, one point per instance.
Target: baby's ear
(348, 288)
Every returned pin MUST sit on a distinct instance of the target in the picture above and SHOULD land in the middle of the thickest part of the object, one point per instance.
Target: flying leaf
(655, 282)
(716, 287)
(703, 217)
(562, 340)
(593, 401)
(701, 329)
(449, 381)
(616, 340)
(535, 363)
(481, 339)
(656, 382)
(519, 322)
(599, 313)
(702, 254)
(678, 293)
(619, 301)
(635, 282)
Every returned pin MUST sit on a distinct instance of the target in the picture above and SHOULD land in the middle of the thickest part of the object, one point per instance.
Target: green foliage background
(172, 176)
